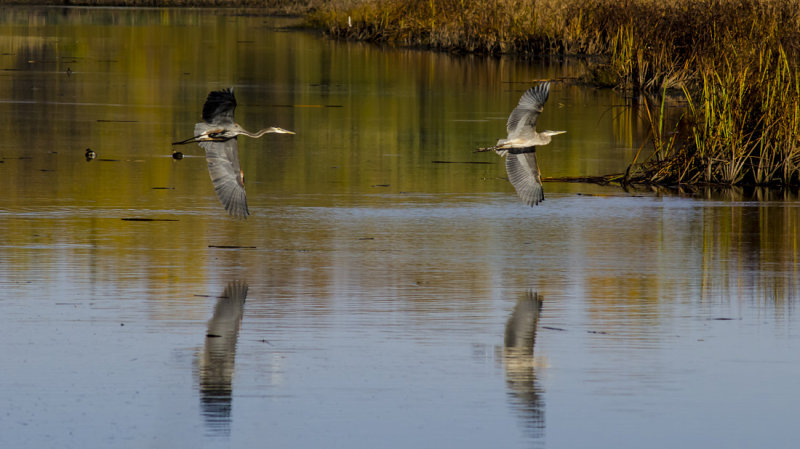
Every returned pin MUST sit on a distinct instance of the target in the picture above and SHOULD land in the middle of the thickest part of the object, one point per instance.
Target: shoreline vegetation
(734, 61)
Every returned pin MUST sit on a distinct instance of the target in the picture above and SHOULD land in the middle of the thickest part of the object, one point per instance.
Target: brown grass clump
(744, 128)
(490, 27)
(743, 118)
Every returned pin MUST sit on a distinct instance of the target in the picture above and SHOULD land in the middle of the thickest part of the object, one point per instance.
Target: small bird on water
(519, 147)
(90, 154)
(217, 135)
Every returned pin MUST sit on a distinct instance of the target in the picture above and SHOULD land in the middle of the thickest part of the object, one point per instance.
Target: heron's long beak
(552, 133)
(281, 130)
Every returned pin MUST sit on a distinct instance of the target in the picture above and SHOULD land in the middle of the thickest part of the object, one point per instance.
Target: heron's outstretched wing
(228, 312)
(219, 106)
(226, 175)
(524, 319)
(522, 121)
(523, 172)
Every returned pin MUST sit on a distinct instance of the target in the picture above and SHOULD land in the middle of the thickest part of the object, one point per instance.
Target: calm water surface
(375, 298)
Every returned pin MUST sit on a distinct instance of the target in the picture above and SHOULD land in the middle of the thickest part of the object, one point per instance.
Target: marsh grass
(486, 27)
(735, 61)
(743, 128)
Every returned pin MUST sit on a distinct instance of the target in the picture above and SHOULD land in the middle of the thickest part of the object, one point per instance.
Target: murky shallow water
(390, 301)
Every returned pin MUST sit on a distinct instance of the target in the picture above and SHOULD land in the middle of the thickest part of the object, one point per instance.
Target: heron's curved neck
(254, 135)
(258, 133)
(545, 138)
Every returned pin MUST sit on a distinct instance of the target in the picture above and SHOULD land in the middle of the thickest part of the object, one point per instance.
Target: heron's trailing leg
(184, 142)
(494, 148)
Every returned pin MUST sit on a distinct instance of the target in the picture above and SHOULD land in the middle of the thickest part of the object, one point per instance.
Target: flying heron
(217, 134)
(519, 147)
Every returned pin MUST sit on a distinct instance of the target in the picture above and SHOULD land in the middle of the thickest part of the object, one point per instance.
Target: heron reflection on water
(519, 147)
(214, 364)
(217, 135)
(520, 364)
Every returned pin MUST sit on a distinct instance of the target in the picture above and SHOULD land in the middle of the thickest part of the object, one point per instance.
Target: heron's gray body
(222, 156)
(226, 175)
(521, 124)
(519, 147)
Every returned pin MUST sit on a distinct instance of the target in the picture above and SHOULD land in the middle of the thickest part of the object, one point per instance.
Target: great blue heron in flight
(216, 134)
(519, 147)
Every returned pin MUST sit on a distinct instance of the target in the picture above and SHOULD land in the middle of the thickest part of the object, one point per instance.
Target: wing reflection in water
(214, 364)
(519, 363)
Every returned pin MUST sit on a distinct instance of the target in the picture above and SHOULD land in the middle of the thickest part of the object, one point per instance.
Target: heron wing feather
(226, 175)
(523, 172)
(522, 121)
(219, 107)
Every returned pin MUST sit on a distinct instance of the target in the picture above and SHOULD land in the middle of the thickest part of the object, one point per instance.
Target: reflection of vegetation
(752, 251)
(736, 60)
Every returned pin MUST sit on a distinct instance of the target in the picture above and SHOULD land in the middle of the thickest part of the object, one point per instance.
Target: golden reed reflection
(753, 250)
(734, 245)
